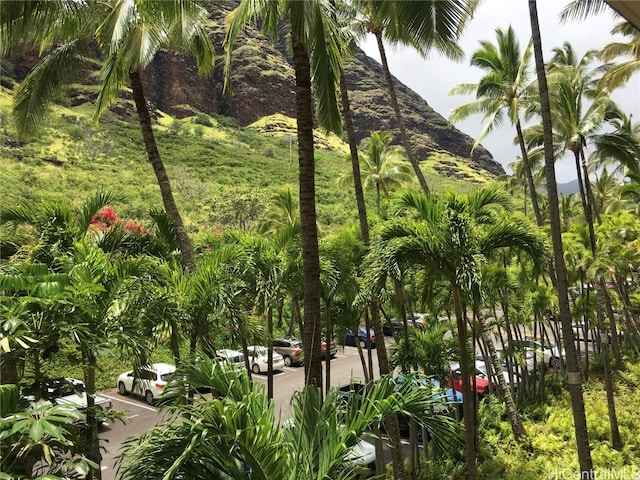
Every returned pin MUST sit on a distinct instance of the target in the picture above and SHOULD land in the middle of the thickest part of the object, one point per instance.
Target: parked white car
(542, 350)
(148, 382)
(258, 359)
(230, 357)
(65, 391)
(362, 454)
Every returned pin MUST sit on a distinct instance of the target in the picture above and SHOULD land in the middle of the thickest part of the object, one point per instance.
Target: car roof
(163, 367)
(226, 352)
(290, 339)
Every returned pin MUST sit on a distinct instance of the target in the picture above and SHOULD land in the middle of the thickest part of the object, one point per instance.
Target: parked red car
(481, 383)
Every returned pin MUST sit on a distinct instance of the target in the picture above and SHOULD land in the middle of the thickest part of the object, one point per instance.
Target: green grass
(71, 157)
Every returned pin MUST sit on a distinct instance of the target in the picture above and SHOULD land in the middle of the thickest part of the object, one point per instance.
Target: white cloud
(433, 78)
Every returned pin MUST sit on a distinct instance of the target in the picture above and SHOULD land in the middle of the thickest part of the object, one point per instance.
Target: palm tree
(315, 42)
(264, 272)
(449, 241)
(342, 255)
(129, 34)
(620, 147)
(384, 168)
(619, 74)
(282, 218)
(605, 191)
(39, 439)
(573, 372)
(236, 435)
(519, 176)
(93, 299)
(574, 82)
(420, 25)
(505, 87)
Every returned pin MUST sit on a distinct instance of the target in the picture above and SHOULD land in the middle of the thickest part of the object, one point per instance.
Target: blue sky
(434, 77)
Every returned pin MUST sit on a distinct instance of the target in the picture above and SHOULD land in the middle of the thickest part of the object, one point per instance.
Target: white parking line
(131, 403)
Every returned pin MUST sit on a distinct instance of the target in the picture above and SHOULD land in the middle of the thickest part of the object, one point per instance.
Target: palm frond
(326, 64)
(44, 82)
(581, 9)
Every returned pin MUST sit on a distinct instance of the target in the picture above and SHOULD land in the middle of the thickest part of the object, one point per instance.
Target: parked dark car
(391, 327)
(363, 339)
(291, 350)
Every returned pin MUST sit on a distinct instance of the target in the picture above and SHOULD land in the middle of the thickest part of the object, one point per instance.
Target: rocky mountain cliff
(263, 84)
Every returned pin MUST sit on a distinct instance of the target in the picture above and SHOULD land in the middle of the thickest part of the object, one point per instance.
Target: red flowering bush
(107, 218)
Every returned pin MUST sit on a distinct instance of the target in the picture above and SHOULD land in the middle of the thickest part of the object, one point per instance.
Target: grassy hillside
(221, 174)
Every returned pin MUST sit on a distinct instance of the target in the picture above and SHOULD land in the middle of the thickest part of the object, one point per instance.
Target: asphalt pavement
(140, 417)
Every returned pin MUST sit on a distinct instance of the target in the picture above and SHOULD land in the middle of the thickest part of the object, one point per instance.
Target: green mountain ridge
(222, 174)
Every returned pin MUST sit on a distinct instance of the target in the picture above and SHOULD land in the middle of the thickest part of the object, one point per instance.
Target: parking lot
(141, 417)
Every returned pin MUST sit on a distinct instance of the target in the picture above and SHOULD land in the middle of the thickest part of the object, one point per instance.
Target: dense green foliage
(219, 173)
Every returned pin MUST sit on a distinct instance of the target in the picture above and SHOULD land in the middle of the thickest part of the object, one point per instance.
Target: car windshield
(259, 350)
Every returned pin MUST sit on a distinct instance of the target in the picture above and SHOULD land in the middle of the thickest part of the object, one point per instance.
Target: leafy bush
(228, 122)
(203, 119)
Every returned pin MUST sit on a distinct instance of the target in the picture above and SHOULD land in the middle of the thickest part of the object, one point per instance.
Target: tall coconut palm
(577, 123)
(573, 372)
(315, 42)
(505, 87)
(384, 168)
(420, 25)
(128, 34)
(347, 120)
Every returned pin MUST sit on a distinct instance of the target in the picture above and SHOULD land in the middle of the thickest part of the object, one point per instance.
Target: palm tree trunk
(615, 340)
(616, 439)
(270, 352)
(327, 352)
(573, 374)
(532, 188)
(91, 434)
(383, 361)
(347, 117)
(595, 213)
(368, 376)
(467, 404)
(516, 421)
(396, 108)
(158, 168)
(527, 169)
(590, 212)
(310, 255)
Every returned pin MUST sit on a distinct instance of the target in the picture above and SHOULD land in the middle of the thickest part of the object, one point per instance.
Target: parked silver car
(291, 350)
